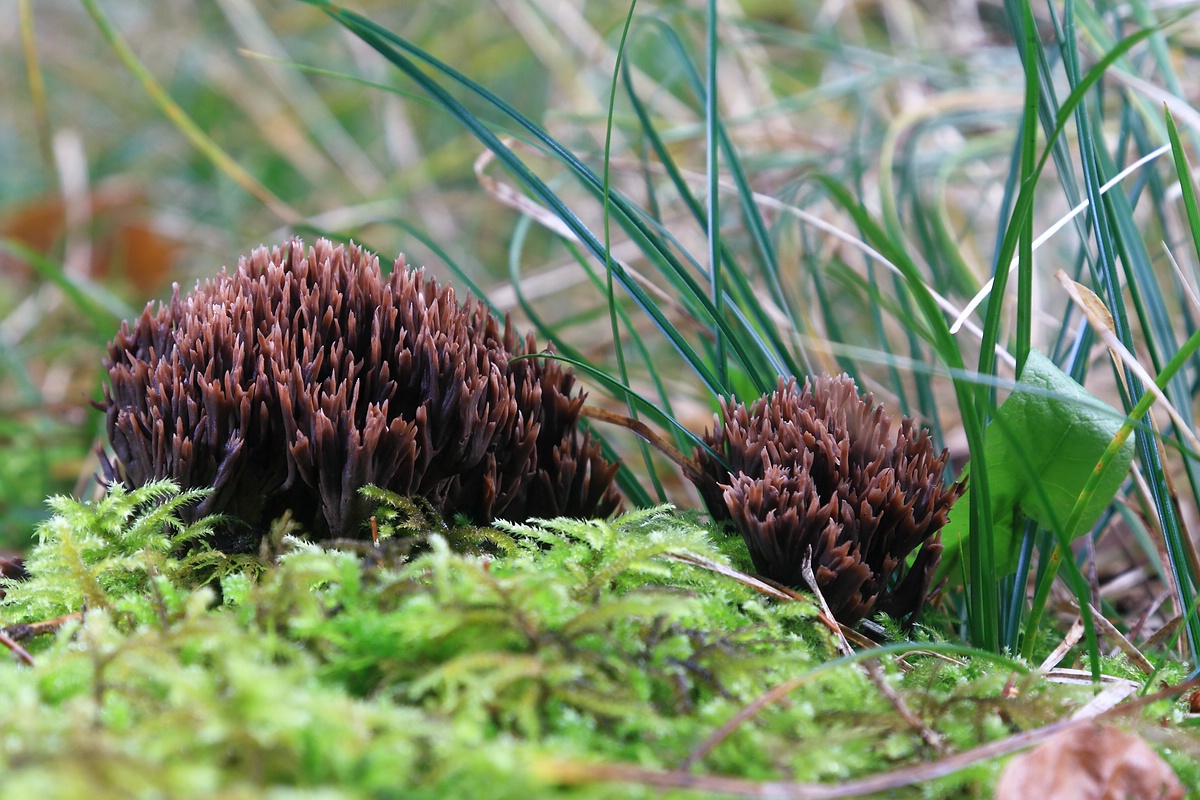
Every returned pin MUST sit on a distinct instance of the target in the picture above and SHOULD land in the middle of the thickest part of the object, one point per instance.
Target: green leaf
(1040, 448)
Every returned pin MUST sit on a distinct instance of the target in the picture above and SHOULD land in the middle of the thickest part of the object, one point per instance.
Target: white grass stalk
(1053, 229)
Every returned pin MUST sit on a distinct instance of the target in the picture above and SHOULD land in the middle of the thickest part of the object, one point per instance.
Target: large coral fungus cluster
(302, 376)
(818, 470)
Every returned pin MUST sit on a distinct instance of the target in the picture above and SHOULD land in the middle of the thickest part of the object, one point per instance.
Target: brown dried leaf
(146, 253)
(1089, 762)
(119, 225)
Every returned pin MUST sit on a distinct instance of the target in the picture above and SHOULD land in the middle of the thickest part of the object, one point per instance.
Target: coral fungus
(818, 469)
(302, 376)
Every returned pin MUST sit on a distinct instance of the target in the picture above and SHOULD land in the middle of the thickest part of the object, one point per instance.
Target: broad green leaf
(1041, 446)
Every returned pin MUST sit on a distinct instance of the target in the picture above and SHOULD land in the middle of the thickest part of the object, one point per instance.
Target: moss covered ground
(545, 660)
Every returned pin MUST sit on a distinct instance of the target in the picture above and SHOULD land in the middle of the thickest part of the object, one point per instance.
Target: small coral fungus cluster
(302, 376)
(819, 470)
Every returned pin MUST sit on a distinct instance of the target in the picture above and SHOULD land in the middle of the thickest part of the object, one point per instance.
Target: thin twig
(32, 629)
(774, 590)
(1074, 634)
(875, 673)
(1127, 647)
(1169, 630)
(777, 693)
(576, 772)
(928, 735)
(770, 697)
(1156, 603)
(20, 652)
(689, 467)
(811, 580)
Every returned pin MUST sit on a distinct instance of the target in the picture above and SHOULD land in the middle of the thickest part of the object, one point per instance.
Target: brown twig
(807, 571)
(575, 772)
(928, 735)
(20, 652)
(1168, 631)
(690, 469)
(29, 630)
(1127, 647)
(1156, 602)
(873, 671)
(776, 693)
(699, 478)
(770, 697)
(774, 590)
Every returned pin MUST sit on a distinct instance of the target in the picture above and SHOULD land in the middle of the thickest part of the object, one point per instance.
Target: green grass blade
(186, 125)
(779, 354)
(712, 165)
(614, 325)
(102, 308)
(383, 41)
(1108, 239)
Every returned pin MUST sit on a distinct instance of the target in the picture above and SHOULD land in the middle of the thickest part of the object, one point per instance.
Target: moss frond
(96, 555)
(321, 671)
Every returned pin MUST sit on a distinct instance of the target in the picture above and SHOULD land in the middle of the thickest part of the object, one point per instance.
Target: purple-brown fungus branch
(820, 468)
(306, 374)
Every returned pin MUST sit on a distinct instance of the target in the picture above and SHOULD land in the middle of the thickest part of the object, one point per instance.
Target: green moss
(453, 672)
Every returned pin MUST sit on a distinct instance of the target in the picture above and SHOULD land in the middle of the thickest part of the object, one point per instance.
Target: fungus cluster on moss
(304, 375)
(819, 469)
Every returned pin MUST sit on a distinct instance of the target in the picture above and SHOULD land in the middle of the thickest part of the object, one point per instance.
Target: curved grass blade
(744, 292)
(186, 125)
(1109, 240)
(622, 367)
(712, 164)
(101, 307)
(383, 40)
(37, 85)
